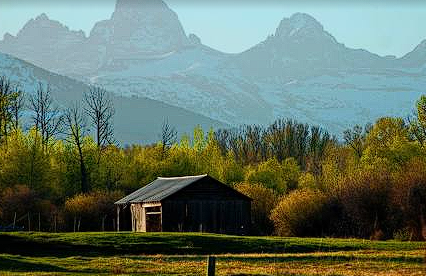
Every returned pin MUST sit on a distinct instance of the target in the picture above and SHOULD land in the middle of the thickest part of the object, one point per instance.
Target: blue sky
(382, 27)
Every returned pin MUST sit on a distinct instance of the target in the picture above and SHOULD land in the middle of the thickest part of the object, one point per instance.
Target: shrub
(365, 197)
(19, 199)
(301, 213)
(24, 202)
(92, 208)
(402, 234)
(307, 180)
(409, 193)
(264, 200)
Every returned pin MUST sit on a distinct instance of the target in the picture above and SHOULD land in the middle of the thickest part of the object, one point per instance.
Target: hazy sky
(383, 27)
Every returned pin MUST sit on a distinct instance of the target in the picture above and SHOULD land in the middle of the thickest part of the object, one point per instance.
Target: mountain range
(136, 120)
(300, 71)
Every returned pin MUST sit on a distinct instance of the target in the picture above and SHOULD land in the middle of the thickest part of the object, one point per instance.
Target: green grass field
(185, 254)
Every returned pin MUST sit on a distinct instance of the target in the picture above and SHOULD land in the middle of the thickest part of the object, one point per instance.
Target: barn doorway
(153, 219)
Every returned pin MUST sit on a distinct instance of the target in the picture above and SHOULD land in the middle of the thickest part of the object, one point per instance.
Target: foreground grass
(184, 254)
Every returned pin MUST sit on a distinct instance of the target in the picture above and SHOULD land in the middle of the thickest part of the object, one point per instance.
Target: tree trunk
(83, 172)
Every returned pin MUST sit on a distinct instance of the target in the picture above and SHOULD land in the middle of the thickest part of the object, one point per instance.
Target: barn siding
(215, 216)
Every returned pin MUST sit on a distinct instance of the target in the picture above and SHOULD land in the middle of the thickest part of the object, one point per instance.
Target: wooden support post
(118, 218)
(39, 222)
(161, 218)
(211, 265)
(142, 219)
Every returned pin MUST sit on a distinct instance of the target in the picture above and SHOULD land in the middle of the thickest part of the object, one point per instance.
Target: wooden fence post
(14, 221)
(29, 223)
(55, 223)
(103, 223)
(211, 265)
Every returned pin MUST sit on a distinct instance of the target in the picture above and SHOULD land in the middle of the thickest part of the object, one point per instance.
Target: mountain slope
(417, 57)
(136, 120)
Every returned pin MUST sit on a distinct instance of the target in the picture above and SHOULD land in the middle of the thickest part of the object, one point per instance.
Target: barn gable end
(207, 188)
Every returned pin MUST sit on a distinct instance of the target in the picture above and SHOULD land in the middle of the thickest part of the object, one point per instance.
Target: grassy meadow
(185, 254)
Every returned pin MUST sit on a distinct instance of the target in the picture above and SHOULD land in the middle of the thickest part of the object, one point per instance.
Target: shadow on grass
(151, 245)
(26, 247)
(110, 244)
(14, 264)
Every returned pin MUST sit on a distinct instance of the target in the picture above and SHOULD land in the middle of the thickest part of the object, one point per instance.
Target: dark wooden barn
(185, 204)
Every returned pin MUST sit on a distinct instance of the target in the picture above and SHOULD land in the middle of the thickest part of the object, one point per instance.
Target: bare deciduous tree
(100, 110)
(47, 117)
(76, 130)
(355, 138)
(6, 95)
(168, 137)
(17, 106)
(281, 140)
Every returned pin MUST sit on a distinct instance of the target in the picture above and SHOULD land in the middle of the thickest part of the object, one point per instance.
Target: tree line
(64, 171)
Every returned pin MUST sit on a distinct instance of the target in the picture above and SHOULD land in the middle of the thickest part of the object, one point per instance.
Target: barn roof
(159, 189)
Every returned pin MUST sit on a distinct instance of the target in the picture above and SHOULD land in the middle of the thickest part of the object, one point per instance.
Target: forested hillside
(65, 171)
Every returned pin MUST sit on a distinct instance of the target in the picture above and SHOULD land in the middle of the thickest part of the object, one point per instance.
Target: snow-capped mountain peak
(298, 22)
(300, 27)
(141, 27)
(44, 27)
(42, 17)
(138, 5)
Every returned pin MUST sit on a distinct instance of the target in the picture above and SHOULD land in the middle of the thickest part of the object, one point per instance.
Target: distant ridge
(137, 119)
